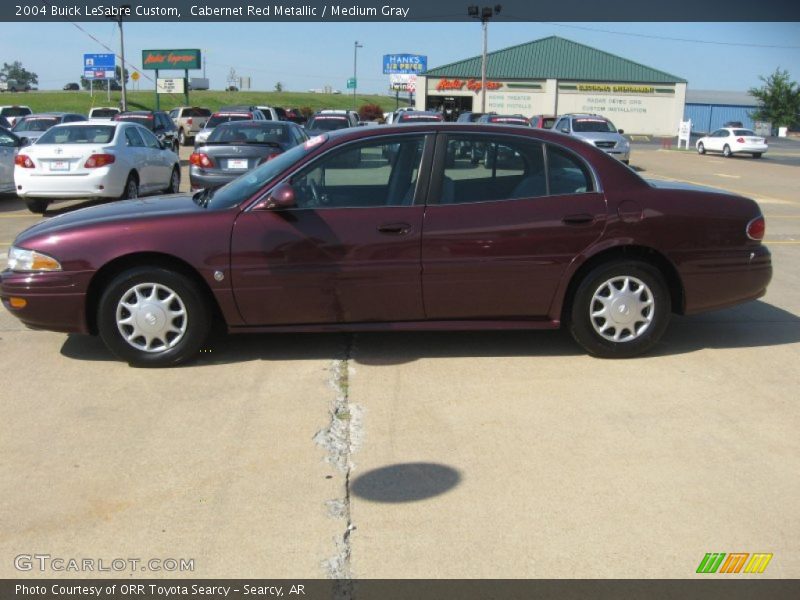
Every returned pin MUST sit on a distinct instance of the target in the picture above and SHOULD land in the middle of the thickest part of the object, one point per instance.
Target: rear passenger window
(568, 174)
(132, 137)
(483, 169)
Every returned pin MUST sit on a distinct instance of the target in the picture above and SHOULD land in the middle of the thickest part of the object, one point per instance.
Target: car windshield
(36, 124)
(548, 122)
(593, 126)
(244, 186)
(104, 113)
(78, 134)
(326, 123)
(217, 119)
(743, 132)
(269, 132)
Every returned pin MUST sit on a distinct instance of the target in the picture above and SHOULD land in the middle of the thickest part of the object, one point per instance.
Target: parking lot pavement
(449, 454)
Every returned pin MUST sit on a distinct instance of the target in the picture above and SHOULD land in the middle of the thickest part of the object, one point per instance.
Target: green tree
(279, 87)
(779, 100)
(16, 71)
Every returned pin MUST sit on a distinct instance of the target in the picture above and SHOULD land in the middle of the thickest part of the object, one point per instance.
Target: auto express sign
(171, 59)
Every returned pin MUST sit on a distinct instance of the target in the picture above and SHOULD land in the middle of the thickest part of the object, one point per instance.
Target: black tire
(131, 189)
(756, 154)
(174, 181)
(636, 335)
(701, 149)
(37, 205)
(147, 290)
(626, 162)
(726, 151)
(182, 139)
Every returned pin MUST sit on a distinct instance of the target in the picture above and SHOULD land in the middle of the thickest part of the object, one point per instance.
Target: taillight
(21, 160)
(200, 159)
(189, 121)
(756, 228)
(740, 140)
(99, 160)
(269, 157)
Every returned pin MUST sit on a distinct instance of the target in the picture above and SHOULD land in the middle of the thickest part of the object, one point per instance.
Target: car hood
(126, 210)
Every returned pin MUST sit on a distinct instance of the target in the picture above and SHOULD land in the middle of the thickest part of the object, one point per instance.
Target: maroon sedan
(387, 228)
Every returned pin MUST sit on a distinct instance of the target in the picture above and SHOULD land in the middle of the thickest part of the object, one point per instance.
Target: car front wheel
(153, 317)
(620, 309)
(701, 149)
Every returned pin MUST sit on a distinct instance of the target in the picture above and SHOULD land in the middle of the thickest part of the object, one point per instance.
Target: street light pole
(355, 73)
(484, 14)
(125, 9)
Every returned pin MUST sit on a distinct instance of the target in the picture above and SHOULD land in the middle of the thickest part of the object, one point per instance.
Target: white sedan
(732, 140)
(94, 160)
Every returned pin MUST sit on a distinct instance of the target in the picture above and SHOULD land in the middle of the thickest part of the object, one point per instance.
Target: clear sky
(312, 55)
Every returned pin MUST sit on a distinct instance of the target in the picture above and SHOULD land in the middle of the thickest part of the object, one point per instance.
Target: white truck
(12, 85)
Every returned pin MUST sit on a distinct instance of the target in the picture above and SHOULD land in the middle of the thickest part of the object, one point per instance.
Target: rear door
(349, 252)
(499, 234)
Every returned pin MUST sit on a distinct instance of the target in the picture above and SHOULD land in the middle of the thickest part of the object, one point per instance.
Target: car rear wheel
(36, 205)
(620, 309)
(131, 190)
(701, 149)
(182, 139)
(153, 317)
(174, 181)
(726, 151)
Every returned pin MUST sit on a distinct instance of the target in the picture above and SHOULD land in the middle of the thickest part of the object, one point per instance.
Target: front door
(348, 253)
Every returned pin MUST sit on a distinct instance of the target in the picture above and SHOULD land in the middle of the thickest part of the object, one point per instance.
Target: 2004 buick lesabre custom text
(396, 228)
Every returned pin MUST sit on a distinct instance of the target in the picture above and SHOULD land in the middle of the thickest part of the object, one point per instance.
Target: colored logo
(734, 562)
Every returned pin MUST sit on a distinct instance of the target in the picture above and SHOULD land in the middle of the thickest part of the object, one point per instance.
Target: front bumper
(55, 300)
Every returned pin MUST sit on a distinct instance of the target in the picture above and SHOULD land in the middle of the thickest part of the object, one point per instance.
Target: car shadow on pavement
(755, 324)
(405, 482)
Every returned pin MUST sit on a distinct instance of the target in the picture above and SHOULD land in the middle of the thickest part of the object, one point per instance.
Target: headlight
(23, 260)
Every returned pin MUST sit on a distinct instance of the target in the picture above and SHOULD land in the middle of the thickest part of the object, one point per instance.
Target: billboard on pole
(99, 66)
(408, 64)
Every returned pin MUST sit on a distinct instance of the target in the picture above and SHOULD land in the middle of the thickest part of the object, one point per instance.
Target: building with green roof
(554, 76)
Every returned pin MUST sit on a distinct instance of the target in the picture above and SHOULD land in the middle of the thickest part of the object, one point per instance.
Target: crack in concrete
(340, 439)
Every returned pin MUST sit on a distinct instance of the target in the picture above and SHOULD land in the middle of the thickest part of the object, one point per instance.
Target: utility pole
(124, 9)
(484, 14)
(355, 73)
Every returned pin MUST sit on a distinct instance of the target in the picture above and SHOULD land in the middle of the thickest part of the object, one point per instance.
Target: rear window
(548, 122)
(420, 118)
(324, 123)
(743, 132)
(217, 119)
(36, 124)
(15, 111)
(250, 133)
(104, 113)
(196, 112)
(512, 120)
(593, 126)
(80, 134)
(146, 120)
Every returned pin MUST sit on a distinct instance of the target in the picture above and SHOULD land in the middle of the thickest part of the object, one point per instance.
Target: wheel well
(135, 175)
(108, 271)
(641, 253)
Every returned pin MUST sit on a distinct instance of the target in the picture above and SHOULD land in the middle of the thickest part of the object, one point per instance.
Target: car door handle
(395, 228)
(581, 219)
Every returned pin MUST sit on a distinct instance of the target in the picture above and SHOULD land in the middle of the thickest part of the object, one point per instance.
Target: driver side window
(378, 173)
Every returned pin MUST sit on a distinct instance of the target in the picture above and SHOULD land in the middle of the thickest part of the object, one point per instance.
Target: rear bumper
(100, 184)
(54, 301)
(724, 279)
(199, 180)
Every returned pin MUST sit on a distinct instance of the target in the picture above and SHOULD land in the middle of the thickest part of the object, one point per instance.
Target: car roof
(50, 114)
(94, 124)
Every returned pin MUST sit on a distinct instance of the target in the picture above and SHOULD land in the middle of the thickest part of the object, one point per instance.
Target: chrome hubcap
(621, 309)
(151, 317)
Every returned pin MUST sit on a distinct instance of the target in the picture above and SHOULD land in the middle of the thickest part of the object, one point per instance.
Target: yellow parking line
(17, 216)
(783, 242)
(725, 175)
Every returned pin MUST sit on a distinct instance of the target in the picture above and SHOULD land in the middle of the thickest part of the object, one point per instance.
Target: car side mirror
(282, 197)
(620, 131)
